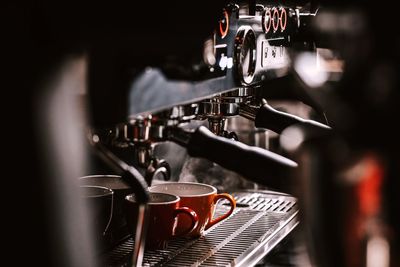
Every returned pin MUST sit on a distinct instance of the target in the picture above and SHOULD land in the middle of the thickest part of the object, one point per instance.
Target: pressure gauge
(245, 54)
(224, 24)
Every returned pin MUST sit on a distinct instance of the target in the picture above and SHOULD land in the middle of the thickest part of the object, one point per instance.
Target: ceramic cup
(100, 204)
(162, 221)
(201, 198)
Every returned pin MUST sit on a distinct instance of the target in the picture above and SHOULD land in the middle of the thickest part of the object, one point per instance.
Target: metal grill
(257, 225)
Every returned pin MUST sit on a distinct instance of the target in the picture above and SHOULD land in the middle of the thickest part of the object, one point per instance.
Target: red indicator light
(283, 19)
(224, 25)
(275, 19)
(267, 20)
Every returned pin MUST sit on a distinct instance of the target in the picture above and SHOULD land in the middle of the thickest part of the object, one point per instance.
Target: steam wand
(136, 181)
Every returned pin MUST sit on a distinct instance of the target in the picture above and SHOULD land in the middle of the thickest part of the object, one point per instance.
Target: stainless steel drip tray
(260, 222)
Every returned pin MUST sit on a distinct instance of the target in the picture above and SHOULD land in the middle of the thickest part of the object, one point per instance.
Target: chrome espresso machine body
(250, 46)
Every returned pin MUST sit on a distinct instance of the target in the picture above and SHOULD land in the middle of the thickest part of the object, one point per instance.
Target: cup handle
(224, 216)
(111, 214)
(193, 216)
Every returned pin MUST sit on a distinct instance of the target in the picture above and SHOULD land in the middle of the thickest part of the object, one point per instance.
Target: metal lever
(254, 163)
(277, 121)
(136, 181)
(289, 87)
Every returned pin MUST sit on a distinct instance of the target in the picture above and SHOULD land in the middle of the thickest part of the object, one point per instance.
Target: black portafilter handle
(288, 87)
(277, 121)
(253, 163)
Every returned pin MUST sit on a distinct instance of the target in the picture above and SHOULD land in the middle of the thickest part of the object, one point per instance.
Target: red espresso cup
(162, 221)
(201, 198)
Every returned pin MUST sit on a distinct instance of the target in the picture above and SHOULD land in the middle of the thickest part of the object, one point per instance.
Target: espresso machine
(248, 47)
(146, 84)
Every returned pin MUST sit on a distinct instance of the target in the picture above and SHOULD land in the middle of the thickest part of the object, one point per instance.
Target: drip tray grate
(261, 220)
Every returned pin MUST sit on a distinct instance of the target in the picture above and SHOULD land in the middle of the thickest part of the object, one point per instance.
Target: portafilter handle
(254, 163)
(277, 121)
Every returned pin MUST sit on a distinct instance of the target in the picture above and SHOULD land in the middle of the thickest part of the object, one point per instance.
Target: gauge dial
(283, 19)
(266, 18)
(245, 54)
(224, 24)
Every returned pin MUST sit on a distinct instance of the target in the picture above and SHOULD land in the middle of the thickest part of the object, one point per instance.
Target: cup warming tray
(262, 219)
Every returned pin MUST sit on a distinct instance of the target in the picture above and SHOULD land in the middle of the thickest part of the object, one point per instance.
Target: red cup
(201, 198)
(162, 221)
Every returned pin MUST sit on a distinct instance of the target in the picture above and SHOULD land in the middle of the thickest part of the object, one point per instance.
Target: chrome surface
(151, 128)
(249, 112)
(139, 130)
(181, 113)
(261, 220)
(217, 125)
(245, 54)
(218, 109)
(146, 96)
(241, 92)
